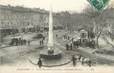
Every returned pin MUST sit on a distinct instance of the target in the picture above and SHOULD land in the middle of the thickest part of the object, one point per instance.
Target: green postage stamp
(99, 4)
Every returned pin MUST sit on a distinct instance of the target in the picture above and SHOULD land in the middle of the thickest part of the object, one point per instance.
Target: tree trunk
(98, 39)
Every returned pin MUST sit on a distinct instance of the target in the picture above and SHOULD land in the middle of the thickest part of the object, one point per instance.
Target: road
(33, 50)
(84, 52)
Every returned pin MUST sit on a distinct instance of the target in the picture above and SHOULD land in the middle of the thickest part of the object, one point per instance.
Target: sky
(57, 5)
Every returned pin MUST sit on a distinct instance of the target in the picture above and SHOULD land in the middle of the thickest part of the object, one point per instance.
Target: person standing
(72, 40)
(39, 63)
(28, 42)
(43, 37)
(71, 46)
(64, 37)
(74, 60)
(56, 36)
(79, 57)
(82, 62)
(68, 38)
(40, 43)
(89, 63)
(67, 47)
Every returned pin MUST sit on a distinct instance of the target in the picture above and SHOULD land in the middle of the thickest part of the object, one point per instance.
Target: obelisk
(51, 52)
(50, 35)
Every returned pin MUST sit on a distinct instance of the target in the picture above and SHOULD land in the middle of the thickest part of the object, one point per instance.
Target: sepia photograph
(46, 36)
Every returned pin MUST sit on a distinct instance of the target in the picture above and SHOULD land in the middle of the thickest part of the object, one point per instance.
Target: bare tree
(94, 16)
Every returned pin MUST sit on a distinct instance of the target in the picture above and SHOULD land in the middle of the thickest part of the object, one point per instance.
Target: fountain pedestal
(51, 54)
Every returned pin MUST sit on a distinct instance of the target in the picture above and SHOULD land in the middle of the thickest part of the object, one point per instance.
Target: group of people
(31, 29)
(74, 60)
(69, 46)
(72, 44)
(9, 31)
(81, 59)
(66, 37)
(83, 42)
(42, 41)
(80, 42)
(19, 41)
